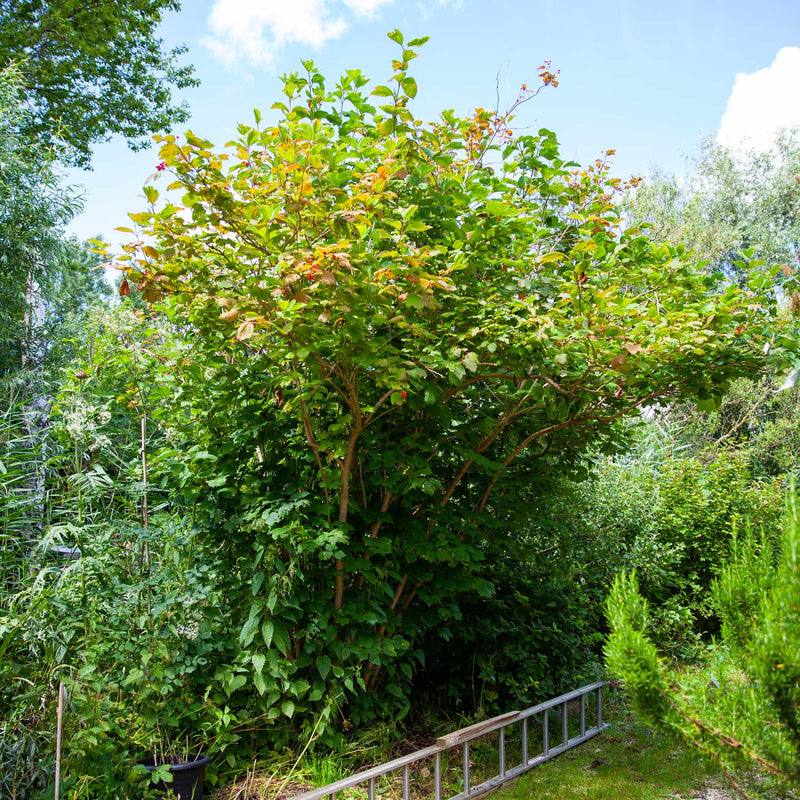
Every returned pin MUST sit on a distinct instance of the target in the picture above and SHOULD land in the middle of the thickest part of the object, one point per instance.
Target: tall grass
(21, 507)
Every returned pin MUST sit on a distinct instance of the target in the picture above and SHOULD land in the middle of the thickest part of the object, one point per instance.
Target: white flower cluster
(172, 434)
(189, 631)
(83, 422)
(191, 628)
(117, 321)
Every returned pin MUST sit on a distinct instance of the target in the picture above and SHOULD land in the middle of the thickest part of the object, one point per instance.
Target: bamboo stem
(59, 724)
(145, 515)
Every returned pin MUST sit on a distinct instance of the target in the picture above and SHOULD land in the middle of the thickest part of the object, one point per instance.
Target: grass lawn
(627, 762)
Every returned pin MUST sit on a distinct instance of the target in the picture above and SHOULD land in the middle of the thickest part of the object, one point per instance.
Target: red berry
(162, 165)
(403, 394)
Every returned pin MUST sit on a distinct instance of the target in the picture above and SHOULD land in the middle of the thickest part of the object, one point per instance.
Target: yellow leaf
(618, 362)
(245, 330)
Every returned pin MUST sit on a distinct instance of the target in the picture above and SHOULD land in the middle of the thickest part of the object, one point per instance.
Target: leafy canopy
(92, 70)
(390, 326)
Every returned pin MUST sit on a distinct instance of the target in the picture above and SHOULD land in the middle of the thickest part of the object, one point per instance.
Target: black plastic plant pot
(187, 777)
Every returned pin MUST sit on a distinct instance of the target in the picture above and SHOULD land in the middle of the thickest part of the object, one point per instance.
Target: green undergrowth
(626, 762)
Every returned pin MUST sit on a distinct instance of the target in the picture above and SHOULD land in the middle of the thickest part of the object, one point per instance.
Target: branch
(309, 431)
(345, 467)
(503, 423)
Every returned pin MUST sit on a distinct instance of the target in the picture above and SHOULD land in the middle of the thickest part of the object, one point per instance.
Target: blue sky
(646, 79)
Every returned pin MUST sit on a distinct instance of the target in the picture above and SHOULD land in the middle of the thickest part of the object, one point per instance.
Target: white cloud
(255, 31)
(427, 8)
(365, 8)
(762, 103)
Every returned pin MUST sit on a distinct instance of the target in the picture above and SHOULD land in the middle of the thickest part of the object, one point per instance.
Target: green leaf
(382, 91)
(258, 659)
(415, 301)
(409, 86)
(248, 631)
(267, 629)
(317, 694)
(134, 676)
(281, 636)
(470, 361)
(287, 707)
(498, 208)
(396, 36)
(323, 666)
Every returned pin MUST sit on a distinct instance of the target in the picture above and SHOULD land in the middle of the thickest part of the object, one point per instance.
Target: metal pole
(525, 742)
(502, 752)
(599, 709)
(583, 715)
(564, 724)
(437, 776)
(466, 768)
(545, 733)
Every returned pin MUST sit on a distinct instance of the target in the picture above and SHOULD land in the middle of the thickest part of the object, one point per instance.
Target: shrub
(741, 705)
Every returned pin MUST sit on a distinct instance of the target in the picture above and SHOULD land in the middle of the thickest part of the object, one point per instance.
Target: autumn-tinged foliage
(391, 325)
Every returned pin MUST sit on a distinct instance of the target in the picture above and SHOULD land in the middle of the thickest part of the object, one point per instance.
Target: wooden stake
(59, 721)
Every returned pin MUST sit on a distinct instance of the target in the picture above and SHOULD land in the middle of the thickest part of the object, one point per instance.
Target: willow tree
(390, 325)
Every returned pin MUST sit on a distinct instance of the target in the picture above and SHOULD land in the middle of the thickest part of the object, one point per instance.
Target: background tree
(730, 203)
(92, 70)
(33, 211)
